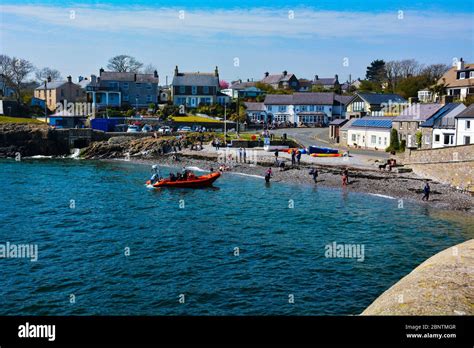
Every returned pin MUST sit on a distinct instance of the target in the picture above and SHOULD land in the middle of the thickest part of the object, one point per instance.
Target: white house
(459, 80)
(370, 132)
(256, 112)
(301, 108)
(465, 126)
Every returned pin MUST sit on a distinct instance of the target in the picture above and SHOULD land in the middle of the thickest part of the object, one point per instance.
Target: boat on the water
(189, 182)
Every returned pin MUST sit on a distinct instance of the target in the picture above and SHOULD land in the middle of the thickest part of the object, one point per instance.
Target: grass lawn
(7, 119)
(192, 118)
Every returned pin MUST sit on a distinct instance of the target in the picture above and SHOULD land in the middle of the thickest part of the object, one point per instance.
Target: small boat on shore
(189, 182)
(326, 155)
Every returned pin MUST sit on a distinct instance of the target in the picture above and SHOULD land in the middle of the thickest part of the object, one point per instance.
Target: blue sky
(244, 38)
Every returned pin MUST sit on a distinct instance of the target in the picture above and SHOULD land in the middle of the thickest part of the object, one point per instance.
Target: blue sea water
(83, 215)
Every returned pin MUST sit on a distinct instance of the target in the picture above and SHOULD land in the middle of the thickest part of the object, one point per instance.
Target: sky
(243, 38)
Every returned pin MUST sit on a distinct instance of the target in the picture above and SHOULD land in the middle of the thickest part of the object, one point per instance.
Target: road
(320, 137)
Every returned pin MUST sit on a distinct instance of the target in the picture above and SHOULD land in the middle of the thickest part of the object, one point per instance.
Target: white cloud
(257, 22)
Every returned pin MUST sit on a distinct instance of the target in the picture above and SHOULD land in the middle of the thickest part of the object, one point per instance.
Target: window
(385, 141)
(380, 140)
(125, 85)
(182, 89)
(462, 75)
(205, 89)
(436, 138)
(468, 125)
(448, 139)
(311, 108)
(125, 97)
(353, 137)
(138, 85)
(62, 93)
(148, 86)
(467, 140)
(303, 108)
(148, 98)
(194, 90)
(471, 74)
(373, 139)
(282, 108)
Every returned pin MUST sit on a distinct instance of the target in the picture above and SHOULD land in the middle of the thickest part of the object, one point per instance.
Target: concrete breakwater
(442, 285)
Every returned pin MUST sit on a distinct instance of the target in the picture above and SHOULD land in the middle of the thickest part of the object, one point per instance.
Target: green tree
(419, 137)
(394, 142)
(376, 71)
(409, 86)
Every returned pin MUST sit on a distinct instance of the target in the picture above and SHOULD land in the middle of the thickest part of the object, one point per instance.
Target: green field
(7, 119)
(192, 118)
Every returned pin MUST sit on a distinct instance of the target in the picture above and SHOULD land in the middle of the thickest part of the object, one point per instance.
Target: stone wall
(452, 165)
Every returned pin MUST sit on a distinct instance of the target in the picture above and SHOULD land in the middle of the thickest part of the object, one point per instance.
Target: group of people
(185, 174)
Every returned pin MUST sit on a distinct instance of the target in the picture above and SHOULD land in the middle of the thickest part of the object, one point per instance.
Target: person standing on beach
(426, 192)
(314, 173)
(245, 155)
(293, 157)
(240, 154)
(276, 157)
(298, 156)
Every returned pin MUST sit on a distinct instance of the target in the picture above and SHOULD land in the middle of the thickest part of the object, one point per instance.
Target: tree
(434, 72)
(409, 86)
(241, 116)
(43, 74)
(369, 86)
(18, 72)
(149, 69)
(394, 142)
(124, 63)
(376, 71)
(223, 84)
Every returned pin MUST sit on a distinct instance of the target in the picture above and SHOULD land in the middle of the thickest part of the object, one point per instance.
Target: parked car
(164, 130)
(133, 129)
(184, 129)
(147, 128)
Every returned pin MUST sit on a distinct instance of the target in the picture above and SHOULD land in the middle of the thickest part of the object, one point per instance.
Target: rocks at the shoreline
(442, 285)
(29, 140)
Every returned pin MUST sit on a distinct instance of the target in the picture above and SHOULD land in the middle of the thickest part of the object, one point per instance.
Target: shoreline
(402, 187)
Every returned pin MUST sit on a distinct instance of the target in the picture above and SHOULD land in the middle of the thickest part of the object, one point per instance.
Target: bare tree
(149, 69)
(5, 72)
(435, 71)
(43, 74)
(410, 67)
(393, 70)
(124, 63)
(17, 70)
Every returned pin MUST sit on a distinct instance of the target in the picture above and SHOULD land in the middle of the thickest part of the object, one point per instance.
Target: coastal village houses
(370, 132)
(59, 92)
(439, 129)
(459, 80)
(194, 88)
(116, 89)
(408, 122)
(327, 82)
(256, 112)
(284, 80)
(374, 104)
(465, 126)
(315, 109)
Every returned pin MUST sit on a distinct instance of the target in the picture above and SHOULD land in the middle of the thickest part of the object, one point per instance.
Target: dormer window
(206, 89)
(182, 89)
(194, 90)
(462, 75)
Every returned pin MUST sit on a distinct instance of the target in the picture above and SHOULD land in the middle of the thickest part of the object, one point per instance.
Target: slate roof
(52, 85)
(324, 81)
(255, 106)
(302, 98)
(418, 112)
(343, 99)
(338, 122)
(348, 124)
(373, 122)
(276, 78)
(467, 112)
(242, 85)
(379, 98)
(446, 109)
(128, 76)
(196, 79)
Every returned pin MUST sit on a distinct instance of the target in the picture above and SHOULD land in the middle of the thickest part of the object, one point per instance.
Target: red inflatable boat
(190, 182)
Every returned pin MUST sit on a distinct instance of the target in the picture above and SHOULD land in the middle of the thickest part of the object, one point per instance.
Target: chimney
(336, 77)
(155, 74)
(285, 73)
(460, 64)
(176, 71)
(316, 77)
(93, 79)
(248, 80)
(101, 71)
(69, 79)
(216, 72)
(266, 74)
(80, 78)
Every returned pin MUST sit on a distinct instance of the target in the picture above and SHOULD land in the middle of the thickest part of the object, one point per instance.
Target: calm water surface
(190, 251)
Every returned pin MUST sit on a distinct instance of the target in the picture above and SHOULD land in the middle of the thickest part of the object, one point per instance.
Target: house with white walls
(459, 80)
(369, 132)
(464, 134)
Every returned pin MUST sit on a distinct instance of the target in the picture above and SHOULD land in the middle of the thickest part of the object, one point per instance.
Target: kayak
(195, 182)
(319, 149)
(326, 155)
